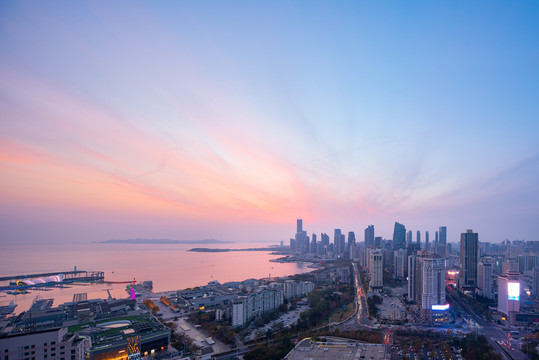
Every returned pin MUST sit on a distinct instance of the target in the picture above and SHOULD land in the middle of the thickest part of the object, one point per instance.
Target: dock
(79, 275)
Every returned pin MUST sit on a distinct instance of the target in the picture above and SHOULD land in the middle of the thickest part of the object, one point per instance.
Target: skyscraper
(376, 270)
(301, 239)
(412, 264)
(369, 235)
(337, 242)
(441, 243)
(418, 238)
(351, 241)
(408, 238)
(399, 236)
(442, 235)
(426, 237)
(468, 260)
(400, 263)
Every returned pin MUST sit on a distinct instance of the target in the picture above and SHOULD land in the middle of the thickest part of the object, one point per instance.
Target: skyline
(232, 120)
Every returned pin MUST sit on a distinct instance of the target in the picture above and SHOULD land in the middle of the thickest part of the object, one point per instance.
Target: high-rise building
(369, 235)
(433, 284)
(399, 236)
(426, 237)
(376, 270)
(535, 284)
(400, 263)
(408, 238)
(324, 240)
(441, 243)
(314, 247)
(293, 246)
(484, 279)
(301, 239)
(510, 266)
(418, 237)
(468, 260)
(351, 241)
(509, 293)
(527, 262)
(246, 308)
(442, 235)
(296, 289)
(337, 242)
(412, 264)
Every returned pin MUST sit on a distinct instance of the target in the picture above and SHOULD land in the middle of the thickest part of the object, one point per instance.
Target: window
(53, 354)
(45, 344)
(53, 349)
(62, 347)
(53, 342)
(73, 351)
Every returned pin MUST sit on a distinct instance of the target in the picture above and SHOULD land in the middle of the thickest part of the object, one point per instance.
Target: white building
(433, 281)
(296, 289)
(55, 344)
(509, 293)
(484, 280)
(376, 270)
(433, 303)
(246, 308)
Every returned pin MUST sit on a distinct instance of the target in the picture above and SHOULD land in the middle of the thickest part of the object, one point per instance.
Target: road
(491, 331)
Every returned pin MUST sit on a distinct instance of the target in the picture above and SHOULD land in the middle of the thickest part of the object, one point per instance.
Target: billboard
(440, 307)
(513, 291)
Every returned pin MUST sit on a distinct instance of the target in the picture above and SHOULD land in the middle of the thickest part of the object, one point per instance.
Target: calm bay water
(170, 267)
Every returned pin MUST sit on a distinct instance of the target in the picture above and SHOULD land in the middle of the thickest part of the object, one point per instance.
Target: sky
(231, 119)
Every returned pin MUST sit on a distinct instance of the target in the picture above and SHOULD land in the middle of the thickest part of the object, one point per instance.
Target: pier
(79, 275)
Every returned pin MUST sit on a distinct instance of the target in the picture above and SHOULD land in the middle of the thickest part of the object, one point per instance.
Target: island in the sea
(164, 241)
(268, 248)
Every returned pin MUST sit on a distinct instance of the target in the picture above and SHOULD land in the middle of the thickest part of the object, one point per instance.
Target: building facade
(469, 257)
(376, 270)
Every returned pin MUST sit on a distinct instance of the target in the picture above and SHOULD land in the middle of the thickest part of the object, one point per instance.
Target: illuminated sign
(440, 307)
(513, 291)
(133, 296)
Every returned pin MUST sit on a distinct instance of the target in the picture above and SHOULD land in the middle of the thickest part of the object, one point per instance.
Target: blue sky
(229, 119)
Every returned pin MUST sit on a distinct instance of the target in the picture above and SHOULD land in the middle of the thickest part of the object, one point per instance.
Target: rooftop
(337, 348)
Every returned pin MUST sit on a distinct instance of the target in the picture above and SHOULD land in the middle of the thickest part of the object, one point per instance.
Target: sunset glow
(232, 121)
